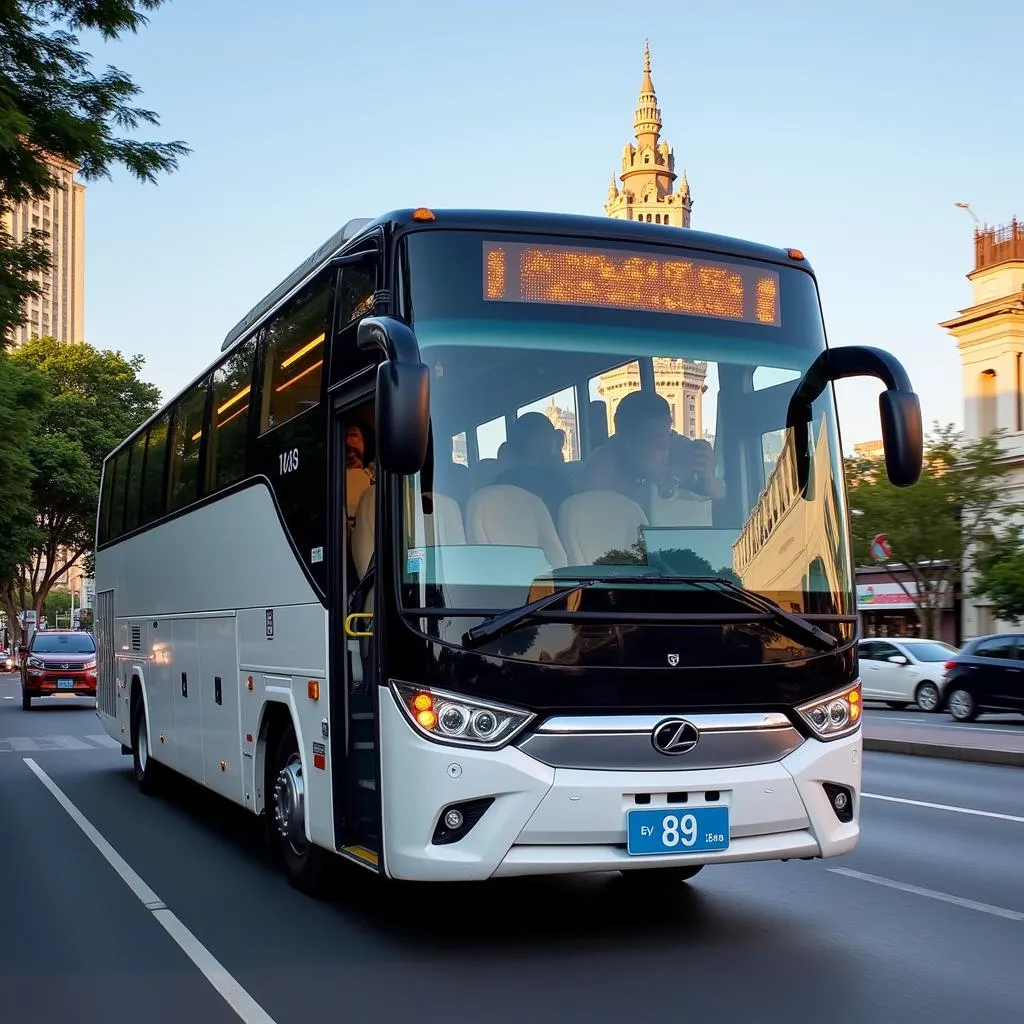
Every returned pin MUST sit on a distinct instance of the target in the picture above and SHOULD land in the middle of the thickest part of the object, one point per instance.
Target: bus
(499, 544)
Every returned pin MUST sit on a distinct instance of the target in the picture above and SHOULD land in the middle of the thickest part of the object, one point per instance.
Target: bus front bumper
(539, 820)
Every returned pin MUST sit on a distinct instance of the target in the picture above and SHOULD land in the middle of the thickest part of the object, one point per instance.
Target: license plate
(677, 830)
(65, 684)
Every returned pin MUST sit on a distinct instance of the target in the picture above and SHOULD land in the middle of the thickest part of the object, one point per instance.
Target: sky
(846, 130)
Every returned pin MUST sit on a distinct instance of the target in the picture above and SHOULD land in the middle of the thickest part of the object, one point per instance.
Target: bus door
(353, 656)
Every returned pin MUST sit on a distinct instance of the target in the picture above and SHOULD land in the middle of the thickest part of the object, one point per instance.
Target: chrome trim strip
(569, 724)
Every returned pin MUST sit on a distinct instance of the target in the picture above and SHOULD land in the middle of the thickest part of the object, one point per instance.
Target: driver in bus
(647, 461)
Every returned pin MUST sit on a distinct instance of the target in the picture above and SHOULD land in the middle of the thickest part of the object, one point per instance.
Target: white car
(904, 671)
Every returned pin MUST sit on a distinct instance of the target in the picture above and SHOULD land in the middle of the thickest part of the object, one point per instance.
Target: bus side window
(134, 486)
(228, 430)
(189, 416)
(154, 481)
(120, 470)
(355, 299)
(108, 481)
(293, 355)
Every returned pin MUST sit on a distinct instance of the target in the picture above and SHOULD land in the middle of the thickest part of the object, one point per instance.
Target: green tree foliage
(96, 398)
(962, 497)
(999, 572)
(53, 102)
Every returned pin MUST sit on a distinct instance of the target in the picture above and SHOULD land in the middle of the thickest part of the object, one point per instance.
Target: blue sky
(848, 131)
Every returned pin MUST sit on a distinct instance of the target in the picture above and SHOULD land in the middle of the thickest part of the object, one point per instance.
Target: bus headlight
(460, 721)
(836, 715)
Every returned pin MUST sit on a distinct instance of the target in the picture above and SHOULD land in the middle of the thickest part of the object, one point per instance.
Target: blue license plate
(65, 684)
(677, 830)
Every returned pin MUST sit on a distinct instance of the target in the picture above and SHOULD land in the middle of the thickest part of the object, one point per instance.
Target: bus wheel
(147, 771)
(661, 877)
(304, 862)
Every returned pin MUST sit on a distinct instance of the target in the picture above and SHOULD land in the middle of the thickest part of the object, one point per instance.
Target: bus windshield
(617, 413)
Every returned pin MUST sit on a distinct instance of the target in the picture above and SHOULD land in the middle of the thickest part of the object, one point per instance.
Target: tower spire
(647, 118)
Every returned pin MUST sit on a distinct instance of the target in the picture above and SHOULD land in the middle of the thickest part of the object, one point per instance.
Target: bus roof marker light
(423, 214)
(795, 254)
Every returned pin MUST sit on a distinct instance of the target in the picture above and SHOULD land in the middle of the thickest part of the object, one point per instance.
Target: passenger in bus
(685, 495)
(359, 473)
(533, 460)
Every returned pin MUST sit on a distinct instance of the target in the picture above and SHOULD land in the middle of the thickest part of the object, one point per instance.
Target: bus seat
(595, 522)
(443, 526)
(503, 514)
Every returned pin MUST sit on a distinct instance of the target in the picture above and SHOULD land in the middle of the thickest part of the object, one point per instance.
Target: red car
(58, 661)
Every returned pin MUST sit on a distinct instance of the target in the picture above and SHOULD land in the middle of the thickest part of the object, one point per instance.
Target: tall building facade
(649, 193)
(990, 337)
(59, 311)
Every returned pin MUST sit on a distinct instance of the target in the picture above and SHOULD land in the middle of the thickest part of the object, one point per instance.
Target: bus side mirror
(898, 407)
(403, 394)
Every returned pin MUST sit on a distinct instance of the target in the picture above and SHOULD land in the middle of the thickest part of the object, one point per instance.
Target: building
(887, 605)
(648, 173)
(869, 450)
(990, 337)
(649, 193)
(59, 311)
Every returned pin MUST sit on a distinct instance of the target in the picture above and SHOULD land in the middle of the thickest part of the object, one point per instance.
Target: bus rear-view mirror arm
(403, 394)
(898, 408)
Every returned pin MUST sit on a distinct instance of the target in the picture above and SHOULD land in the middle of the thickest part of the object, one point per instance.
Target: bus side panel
(106, 664)
(285, 648)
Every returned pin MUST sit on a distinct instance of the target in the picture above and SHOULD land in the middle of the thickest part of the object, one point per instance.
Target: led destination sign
(622, 279)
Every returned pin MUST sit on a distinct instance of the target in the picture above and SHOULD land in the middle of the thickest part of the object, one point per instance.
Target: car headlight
(89, 665)
(836, 715)
(35, 663)
(460, 721)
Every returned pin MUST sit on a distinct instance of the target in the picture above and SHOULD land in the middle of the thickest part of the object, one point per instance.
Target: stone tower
(648, 175)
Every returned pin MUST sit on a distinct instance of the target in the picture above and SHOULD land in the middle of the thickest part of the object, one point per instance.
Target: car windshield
(570, 440)
(930, 650)
(63, 643)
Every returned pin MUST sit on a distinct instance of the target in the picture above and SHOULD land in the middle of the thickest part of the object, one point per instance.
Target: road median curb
(919, 748)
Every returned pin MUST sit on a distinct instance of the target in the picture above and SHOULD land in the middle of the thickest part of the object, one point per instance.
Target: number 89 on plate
(679, 830)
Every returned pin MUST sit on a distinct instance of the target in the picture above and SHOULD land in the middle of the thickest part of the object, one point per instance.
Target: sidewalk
(946, 739)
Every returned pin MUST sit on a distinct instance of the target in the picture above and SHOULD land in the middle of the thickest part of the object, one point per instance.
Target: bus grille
(106, 683)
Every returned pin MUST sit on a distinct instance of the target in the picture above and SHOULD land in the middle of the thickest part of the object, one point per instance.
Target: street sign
(881, 548)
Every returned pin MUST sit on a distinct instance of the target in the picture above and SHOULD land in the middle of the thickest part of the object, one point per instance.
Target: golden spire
(647, 118)
(647, 86)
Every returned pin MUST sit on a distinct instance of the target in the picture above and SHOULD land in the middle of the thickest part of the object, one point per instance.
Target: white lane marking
(227, 987)
(944, 807)
(943, 897)
(981, 729)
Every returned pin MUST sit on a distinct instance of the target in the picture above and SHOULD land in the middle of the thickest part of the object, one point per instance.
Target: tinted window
(294, 356)
(885, 651)
(185, 443)
(134, 487)
(117, 494)
(931, 651)
(108, 482)
(232, 390)
(62, 643)
(154, 484)
(997, 647)
(358, 284)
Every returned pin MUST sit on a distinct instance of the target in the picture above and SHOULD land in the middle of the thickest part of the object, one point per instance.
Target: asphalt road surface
(177, 914)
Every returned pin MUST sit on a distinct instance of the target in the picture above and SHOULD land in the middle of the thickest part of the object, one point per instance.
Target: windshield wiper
(503, 622)
(759, 602)
(506, 621)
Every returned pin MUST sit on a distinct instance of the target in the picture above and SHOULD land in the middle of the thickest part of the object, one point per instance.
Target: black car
(987, 675)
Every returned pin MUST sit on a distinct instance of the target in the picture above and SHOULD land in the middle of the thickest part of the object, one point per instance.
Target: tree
(999, 572)
(22, 396)
(51, 103)
(96, 400)
(932, 526)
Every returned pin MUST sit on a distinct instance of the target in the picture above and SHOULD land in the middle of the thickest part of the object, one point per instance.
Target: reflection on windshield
(931, 651)
(554, 459)
(53, 644)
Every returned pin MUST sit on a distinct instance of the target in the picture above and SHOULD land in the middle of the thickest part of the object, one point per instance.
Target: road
(923, 922)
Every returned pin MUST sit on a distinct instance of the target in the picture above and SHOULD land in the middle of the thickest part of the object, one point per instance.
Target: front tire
(305, 864)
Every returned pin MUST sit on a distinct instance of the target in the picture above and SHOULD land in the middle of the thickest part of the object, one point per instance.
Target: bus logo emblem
(674, 736)
(673, 660)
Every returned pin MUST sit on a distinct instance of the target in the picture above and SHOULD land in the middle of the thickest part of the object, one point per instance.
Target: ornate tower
(648, 173)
